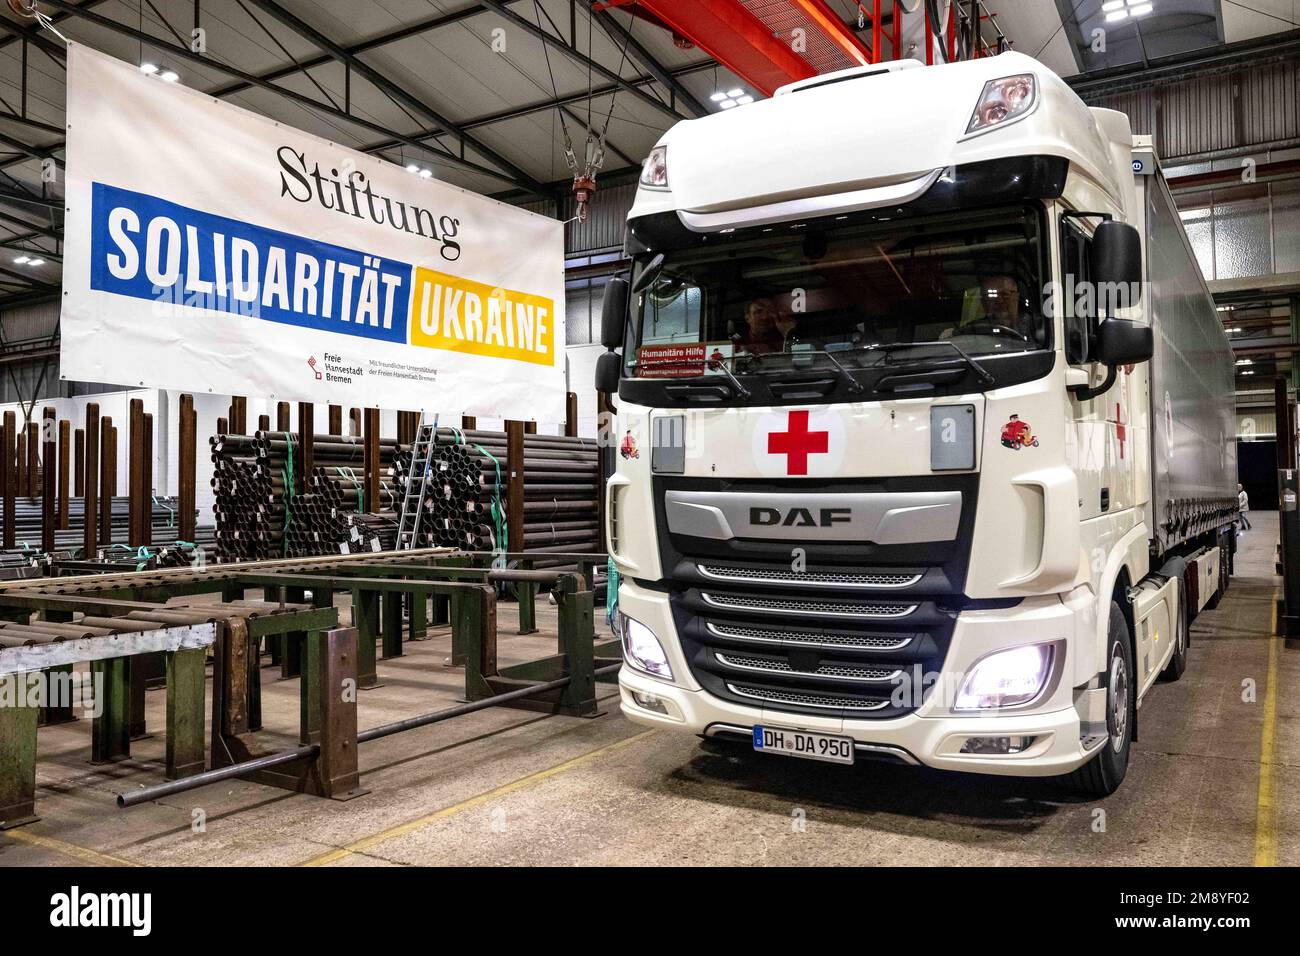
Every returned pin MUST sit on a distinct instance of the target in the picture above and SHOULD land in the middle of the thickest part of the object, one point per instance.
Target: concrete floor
(1214, 781)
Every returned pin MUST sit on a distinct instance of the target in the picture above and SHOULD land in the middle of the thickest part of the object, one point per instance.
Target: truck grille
(720, 572)
(800, 699)
(853, 634)
(807, 607)
(829, 671)
(762, 635)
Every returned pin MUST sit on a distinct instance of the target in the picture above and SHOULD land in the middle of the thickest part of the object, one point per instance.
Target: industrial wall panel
(1256, 423)
(606, 219)
(1232, 110)
(1269, 103)
(36, 321)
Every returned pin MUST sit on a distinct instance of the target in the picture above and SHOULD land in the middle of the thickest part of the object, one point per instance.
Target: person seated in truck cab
(764, 330)
(994, 307)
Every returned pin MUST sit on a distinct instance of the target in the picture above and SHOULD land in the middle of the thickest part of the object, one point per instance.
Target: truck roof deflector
(810, 207)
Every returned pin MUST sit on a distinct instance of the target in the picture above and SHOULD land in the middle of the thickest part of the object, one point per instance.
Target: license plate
(802, 743)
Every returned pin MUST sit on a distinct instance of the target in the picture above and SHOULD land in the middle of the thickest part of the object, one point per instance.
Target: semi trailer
(923, 445)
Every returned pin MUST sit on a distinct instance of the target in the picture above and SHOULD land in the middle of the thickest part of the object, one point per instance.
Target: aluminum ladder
(408, 526)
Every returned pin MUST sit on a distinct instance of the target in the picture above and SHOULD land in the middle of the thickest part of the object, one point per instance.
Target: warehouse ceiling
(479, 94)
(469, 91)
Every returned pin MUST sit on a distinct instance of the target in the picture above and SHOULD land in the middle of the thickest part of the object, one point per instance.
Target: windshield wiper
(845, 374)
(721, 367)
(735, 382)
(983, 374)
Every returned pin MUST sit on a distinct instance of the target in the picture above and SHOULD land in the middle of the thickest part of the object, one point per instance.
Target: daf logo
(799, 517)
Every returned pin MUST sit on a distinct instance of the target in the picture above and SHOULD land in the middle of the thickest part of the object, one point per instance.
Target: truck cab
(922, 425)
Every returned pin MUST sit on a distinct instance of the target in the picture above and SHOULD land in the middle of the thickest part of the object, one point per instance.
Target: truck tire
(1102, 775)
(1182, 638)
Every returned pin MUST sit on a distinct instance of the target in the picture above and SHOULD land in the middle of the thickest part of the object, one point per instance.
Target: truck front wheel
(1182, 637)
(1103, 774)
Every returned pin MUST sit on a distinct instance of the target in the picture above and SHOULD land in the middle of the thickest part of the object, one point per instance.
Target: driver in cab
(996, 311)
(768, 329)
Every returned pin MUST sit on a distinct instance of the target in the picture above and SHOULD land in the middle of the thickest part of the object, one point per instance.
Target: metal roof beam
(621, 34)
(487, 119)
(184, 53)
(362, 46)
(499, 8)
(396, 90)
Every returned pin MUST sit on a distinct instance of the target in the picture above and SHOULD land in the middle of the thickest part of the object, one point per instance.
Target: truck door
(1102, 448)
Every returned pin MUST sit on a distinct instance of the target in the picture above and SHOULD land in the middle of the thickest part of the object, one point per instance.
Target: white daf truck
(924, 438)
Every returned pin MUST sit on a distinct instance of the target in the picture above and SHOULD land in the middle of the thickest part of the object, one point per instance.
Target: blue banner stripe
(149, 248)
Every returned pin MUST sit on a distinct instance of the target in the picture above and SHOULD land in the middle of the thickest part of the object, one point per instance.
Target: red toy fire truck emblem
(1017, 434)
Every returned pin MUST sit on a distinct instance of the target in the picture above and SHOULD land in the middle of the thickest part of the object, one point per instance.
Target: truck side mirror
(613, 313)
(1121, 342)
(609, 367)
(1118, 342)
(1116, 261)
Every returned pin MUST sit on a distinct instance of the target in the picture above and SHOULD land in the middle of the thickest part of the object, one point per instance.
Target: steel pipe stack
(164, 524)
(266, 509)
(466, 496)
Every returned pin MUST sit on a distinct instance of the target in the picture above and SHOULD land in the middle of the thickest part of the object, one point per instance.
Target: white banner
(210, 249)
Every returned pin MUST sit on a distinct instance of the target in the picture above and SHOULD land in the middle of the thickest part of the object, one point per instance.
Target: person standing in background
(1243, 506)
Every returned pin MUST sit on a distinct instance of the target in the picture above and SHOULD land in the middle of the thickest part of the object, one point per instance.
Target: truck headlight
(1003, 100)
(641, 649)
(654, 171)
(1006, 678)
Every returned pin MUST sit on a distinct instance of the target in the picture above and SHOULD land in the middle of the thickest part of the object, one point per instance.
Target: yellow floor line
(1266, 805)
(384, 835)
(68, 849)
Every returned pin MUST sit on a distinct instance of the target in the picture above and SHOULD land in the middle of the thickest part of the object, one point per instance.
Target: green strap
(360, 487)
(286, 473)
(501, 537)
(611, 590)
(171, 512)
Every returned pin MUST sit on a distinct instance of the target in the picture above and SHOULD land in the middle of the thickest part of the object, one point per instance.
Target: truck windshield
(842, 293)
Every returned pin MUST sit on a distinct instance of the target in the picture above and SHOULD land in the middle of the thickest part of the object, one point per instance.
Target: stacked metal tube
(468, 478)
(260, 512)
(68, 542)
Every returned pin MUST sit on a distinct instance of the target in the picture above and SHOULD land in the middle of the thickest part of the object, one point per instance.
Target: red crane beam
(735, 38)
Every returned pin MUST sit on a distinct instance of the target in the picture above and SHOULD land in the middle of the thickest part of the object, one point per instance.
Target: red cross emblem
(797, 443)
(1120, 431)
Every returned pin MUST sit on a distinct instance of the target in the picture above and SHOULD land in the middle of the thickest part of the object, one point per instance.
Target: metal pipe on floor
(411, 723)
(147, 794)
(158, 791)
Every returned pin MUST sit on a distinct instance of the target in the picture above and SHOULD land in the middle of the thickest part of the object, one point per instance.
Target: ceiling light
(149, 68)
(1110, 5)
(22, 259)
(1141, 10)
(735, 94)
(1116, 15)
(412, 168)
(727, 104)
(169, 76)
(36, 262)
(744, 100)
(718, 97)
(1247, 373)
(426, 173)
(1245, 362)
(1237, 329)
